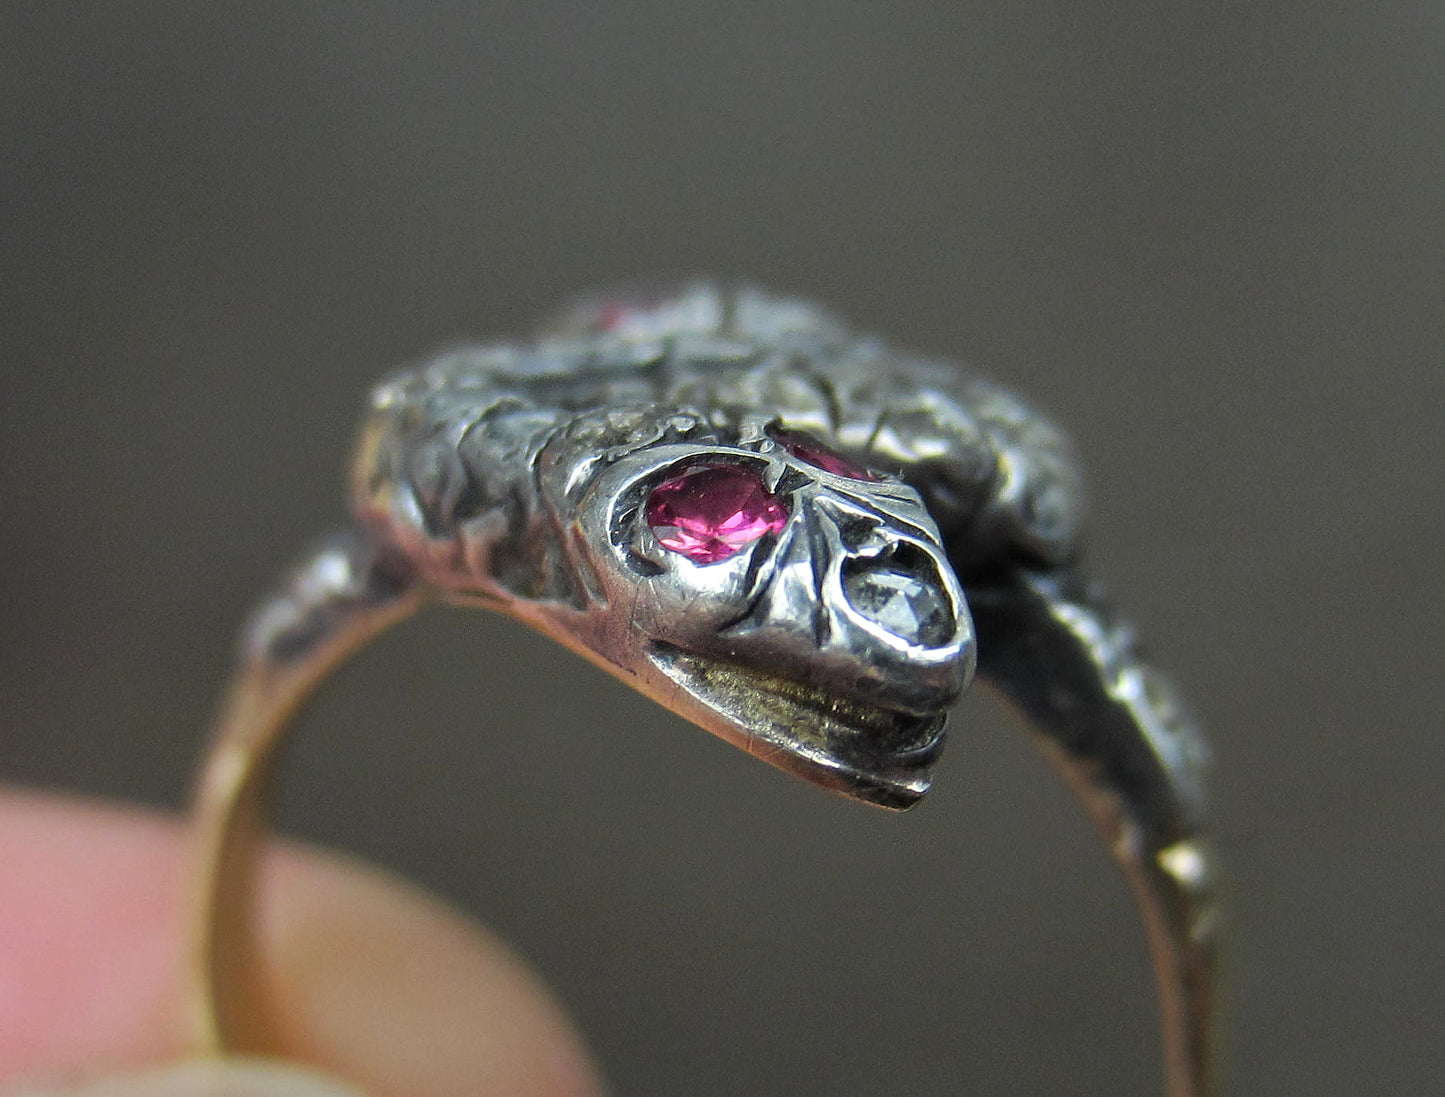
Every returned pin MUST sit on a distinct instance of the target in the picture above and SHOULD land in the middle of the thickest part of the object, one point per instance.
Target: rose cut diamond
(908, 606)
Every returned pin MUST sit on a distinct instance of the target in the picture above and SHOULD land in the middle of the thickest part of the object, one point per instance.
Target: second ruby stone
(710, 512)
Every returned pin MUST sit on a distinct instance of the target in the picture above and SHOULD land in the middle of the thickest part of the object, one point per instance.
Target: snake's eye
(809, 450)
(708, 512)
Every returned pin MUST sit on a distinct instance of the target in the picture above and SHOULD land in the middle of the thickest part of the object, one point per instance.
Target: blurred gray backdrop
(1209, 236)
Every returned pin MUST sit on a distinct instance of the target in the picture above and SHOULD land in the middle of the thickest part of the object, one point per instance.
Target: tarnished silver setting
(922, 522)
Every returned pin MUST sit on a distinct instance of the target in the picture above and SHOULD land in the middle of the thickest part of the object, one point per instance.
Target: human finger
(377, 983)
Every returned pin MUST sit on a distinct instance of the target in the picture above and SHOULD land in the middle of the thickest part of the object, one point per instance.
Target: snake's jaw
(876, 755)
(819, 626)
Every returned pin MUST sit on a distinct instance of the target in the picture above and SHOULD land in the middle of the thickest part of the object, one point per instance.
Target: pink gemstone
(807, 448)
(711, 511)
(612, 315)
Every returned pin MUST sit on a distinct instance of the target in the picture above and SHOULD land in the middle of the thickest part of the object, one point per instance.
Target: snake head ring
(801, 539)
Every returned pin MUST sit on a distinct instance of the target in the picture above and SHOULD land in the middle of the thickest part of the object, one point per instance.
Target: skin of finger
(377, 983)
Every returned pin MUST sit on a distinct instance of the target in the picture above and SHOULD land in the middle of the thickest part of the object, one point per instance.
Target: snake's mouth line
(867, 752)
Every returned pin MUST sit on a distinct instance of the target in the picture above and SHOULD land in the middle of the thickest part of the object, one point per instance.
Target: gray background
(1208, 236)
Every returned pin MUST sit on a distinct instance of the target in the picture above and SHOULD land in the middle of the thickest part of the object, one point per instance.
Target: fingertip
(398, 991)
(89, 920)
(378, 983)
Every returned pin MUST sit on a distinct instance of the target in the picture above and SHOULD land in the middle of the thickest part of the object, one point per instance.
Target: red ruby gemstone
(710, 512)
(807, 448)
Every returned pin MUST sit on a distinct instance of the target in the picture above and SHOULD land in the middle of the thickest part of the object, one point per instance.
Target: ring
(799, 538)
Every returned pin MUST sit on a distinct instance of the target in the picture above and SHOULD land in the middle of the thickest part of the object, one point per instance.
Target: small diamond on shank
(710, 512)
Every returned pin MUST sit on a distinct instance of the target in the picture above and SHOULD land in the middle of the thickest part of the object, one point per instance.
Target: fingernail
(207, 1078)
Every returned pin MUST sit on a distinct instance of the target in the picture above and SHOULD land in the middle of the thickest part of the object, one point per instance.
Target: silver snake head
(797, 605)
(648, 486)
